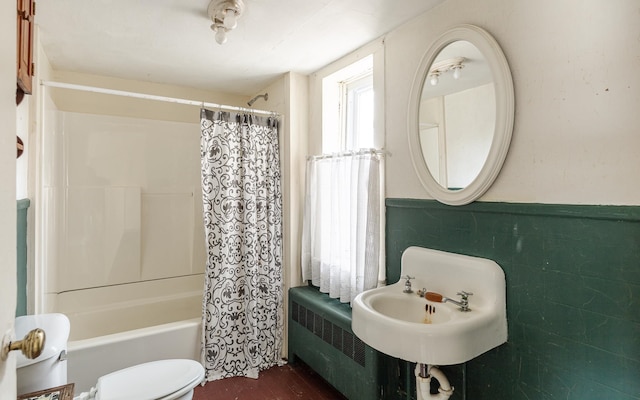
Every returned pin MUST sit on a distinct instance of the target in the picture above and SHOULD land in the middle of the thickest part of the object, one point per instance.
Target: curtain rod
(348, 153)
(115, 92)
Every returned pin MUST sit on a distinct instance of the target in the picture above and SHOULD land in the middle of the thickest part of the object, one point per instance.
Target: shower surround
(121, 218)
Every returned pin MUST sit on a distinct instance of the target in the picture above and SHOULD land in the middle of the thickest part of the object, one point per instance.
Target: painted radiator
(320, 335)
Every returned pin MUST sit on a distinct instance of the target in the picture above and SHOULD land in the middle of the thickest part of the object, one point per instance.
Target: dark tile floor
(288, 382)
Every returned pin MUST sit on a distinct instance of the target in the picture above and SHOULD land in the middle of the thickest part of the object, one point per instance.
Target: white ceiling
(170, 41)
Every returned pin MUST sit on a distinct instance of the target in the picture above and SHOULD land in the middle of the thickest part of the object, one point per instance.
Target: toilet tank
(50, 368)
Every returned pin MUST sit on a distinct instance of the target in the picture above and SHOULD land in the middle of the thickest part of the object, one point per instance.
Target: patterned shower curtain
(243, 315)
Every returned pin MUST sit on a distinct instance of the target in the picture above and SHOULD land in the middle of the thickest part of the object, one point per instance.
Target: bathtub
(89, 359)
(120, 326)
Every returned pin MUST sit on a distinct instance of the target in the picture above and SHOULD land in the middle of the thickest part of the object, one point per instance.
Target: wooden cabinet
(25, 22)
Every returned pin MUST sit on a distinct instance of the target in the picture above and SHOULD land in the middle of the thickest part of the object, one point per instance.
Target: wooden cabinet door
(26, 12)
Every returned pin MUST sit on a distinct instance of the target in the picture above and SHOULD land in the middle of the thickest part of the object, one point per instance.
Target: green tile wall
(573, 293)
(21, 256)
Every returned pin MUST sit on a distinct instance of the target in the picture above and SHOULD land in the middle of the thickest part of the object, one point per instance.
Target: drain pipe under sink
(424, 373)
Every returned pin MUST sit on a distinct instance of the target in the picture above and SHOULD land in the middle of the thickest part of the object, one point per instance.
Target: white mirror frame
(504, 115)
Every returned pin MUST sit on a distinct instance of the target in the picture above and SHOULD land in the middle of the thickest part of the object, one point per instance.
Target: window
(348, 105)
(343, 224)
(356, 112)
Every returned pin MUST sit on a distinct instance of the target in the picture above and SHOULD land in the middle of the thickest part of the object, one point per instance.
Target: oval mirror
(461, 115)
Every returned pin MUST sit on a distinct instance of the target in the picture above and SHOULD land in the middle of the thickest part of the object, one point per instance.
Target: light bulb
(434, 80)
(456, 72)
(221, 35)
(230, 18)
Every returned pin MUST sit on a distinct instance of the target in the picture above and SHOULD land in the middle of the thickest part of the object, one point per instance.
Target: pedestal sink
(410, 327)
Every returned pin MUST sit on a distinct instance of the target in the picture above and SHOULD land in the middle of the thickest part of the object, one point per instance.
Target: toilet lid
(149, 381)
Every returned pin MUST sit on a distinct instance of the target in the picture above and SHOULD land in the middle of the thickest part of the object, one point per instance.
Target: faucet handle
(407, 283)
(464, 295)
(464, 301)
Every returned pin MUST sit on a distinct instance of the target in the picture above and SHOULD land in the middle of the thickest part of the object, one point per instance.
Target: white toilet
(156, 380)
(50, 368)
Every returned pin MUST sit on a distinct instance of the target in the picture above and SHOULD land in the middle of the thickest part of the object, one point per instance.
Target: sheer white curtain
(341, 243)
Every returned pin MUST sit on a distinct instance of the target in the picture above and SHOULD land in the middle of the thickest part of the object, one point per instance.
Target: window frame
(351, 91)
(323, 96)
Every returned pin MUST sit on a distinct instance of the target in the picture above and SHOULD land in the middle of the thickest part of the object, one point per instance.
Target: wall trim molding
(599, 212)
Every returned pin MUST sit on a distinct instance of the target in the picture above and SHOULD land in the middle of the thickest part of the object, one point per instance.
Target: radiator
(320, 335)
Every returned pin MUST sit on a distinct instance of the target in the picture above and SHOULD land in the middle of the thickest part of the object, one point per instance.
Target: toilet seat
(156, 380)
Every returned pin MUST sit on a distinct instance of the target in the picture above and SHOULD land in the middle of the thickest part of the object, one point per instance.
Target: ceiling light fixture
(224, 14)
(450, 64)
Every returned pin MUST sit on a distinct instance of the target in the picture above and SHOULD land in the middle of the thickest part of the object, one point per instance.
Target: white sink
(407, 326)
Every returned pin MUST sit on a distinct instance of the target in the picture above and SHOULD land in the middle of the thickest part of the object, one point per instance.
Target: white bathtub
(91, 358)
(120, 326)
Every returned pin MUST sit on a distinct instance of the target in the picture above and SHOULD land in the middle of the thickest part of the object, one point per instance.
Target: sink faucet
(463, 303)
(464, 300)
(407, 283)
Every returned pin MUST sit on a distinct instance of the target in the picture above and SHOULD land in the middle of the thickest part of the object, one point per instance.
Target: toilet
(50, 368)
(157, 380)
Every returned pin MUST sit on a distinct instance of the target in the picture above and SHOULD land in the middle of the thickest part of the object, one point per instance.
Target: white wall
(577, 93)
(7, 190)
(293, 161)
(22, 130)
(469, 132)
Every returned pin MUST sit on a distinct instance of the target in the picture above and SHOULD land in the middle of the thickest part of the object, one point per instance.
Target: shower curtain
(243, 315)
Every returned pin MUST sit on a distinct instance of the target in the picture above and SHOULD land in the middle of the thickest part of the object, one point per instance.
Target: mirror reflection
(457, 115)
